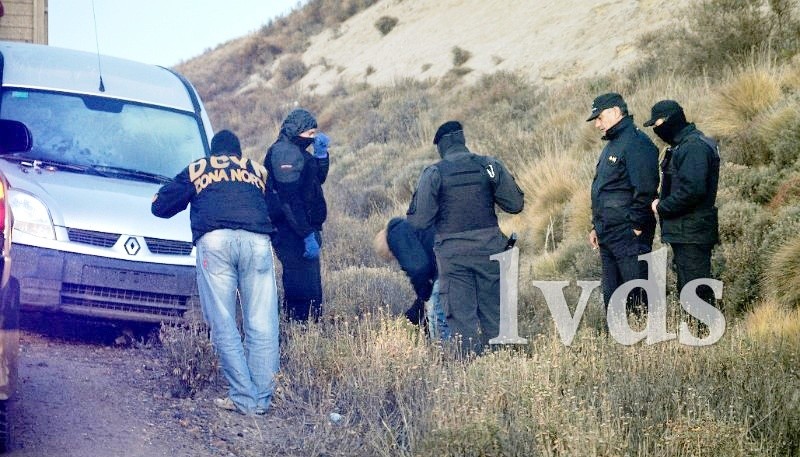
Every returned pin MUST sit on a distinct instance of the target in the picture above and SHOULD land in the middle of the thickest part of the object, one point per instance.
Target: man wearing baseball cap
(624, 186)
(690, 175)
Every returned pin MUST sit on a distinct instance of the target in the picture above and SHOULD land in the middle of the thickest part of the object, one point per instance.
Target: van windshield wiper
(39, 164)
(106, 170)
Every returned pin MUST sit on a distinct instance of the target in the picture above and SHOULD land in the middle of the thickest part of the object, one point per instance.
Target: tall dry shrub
(734, 110)
(551, 184)
(782, 274)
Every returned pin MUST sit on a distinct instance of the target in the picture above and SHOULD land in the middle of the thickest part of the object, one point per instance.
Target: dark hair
(226, 141)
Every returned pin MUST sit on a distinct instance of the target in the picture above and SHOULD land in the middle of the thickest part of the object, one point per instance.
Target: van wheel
(5, 427)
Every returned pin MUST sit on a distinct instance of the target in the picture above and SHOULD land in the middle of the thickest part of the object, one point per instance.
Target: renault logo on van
(132, 246)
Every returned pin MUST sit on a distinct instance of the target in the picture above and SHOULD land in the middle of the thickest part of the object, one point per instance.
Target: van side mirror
(14, 137)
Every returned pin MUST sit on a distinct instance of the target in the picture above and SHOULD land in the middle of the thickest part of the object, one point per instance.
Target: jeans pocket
(261, 250)
(213, 252)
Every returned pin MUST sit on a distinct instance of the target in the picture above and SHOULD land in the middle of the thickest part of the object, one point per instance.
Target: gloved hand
(311, 247)
(416, 313)
(321, 142)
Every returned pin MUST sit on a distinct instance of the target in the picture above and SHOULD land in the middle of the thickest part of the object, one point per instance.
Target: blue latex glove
(311, 246)
(321, 142)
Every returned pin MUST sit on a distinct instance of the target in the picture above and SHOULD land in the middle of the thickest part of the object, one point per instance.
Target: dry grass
(775, 322)
(400, 395)
(744, 97)
(782, 274)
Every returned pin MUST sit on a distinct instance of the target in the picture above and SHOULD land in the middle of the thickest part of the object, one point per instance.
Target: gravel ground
(108, 396)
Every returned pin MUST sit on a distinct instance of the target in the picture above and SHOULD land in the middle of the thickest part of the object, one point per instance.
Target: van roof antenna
(102, 87)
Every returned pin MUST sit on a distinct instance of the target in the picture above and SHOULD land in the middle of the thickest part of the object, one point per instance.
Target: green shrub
(755, 184)
(780, 132)
(385, 24)
(739, 260)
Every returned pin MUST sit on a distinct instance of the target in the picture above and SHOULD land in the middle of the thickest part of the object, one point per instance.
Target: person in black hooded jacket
(690, 176)
(298, 210)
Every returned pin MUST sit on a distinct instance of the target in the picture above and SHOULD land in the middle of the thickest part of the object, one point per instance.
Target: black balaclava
(449, 140)
(670, 127)
(302, 142)
(448, 134)
(297, 122)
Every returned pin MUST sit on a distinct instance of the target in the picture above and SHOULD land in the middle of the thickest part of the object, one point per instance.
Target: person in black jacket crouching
(413, 250)
(690, 176)
(298, 210)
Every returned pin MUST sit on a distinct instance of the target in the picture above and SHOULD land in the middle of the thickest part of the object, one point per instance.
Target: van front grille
(107, 240)
(123, 300)
(171, 247)
(92, 238)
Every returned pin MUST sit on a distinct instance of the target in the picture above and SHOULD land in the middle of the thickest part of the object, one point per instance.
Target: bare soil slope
(549, 41)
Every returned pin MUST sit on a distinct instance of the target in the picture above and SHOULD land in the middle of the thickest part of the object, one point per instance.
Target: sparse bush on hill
(460, 56)
(290, 69)
(720, 33)
(385, 24)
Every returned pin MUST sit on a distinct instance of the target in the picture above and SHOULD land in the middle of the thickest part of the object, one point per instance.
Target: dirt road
(95, 398)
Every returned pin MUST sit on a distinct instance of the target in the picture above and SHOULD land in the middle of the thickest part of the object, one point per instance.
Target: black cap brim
(593, 116)
(649, 122)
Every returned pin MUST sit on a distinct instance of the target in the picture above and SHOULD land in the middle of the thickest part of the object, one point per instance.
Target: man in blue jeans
(231, 230)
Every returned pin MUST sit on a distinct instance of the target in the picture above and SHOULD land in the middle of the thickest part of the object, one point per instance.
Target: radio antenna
(102, 87)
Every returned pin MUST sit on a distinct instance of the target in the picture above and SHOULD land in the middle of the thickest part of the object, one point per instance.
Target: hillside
(547, 41)
(382, 75)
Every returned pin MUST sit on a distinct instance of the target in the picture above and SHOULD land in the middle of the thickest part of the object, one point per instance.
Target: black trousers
(619, 267)
(693, 261)
(302, 278)
(469, 291)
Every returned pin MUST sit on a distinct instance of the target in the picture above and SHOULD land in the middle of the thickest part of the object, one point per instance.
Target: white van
(107, 133)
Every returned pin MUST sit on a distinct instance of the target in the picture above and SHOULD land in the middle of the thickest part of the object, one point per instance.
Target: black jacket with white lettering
(225, 192)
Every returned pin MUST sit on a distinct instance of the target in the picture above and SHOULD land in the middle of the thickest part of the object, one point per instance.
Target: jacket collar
(684, 133)
(615, 131)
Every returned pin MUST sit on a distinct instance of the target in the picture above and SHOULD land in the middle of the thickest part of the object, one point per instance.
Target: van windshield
(97, 132)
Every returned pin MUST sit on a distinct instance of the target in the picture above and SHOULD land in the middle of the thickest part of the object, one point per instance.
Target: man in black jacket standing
(457, 196)
(690, 175)
(624, 185)
(298, 210)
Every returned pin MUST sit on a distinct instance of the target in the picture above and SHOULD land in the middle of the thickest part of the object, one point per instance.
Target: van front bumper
(86, 285)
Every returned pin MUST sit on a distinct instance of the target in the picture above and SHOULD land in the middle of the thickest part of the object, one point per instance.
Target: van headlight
(30, 215)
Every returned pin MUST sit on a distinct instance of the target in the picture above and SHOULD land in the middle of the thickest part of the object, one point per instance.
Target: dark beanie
(446, 129)
(226, 141)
